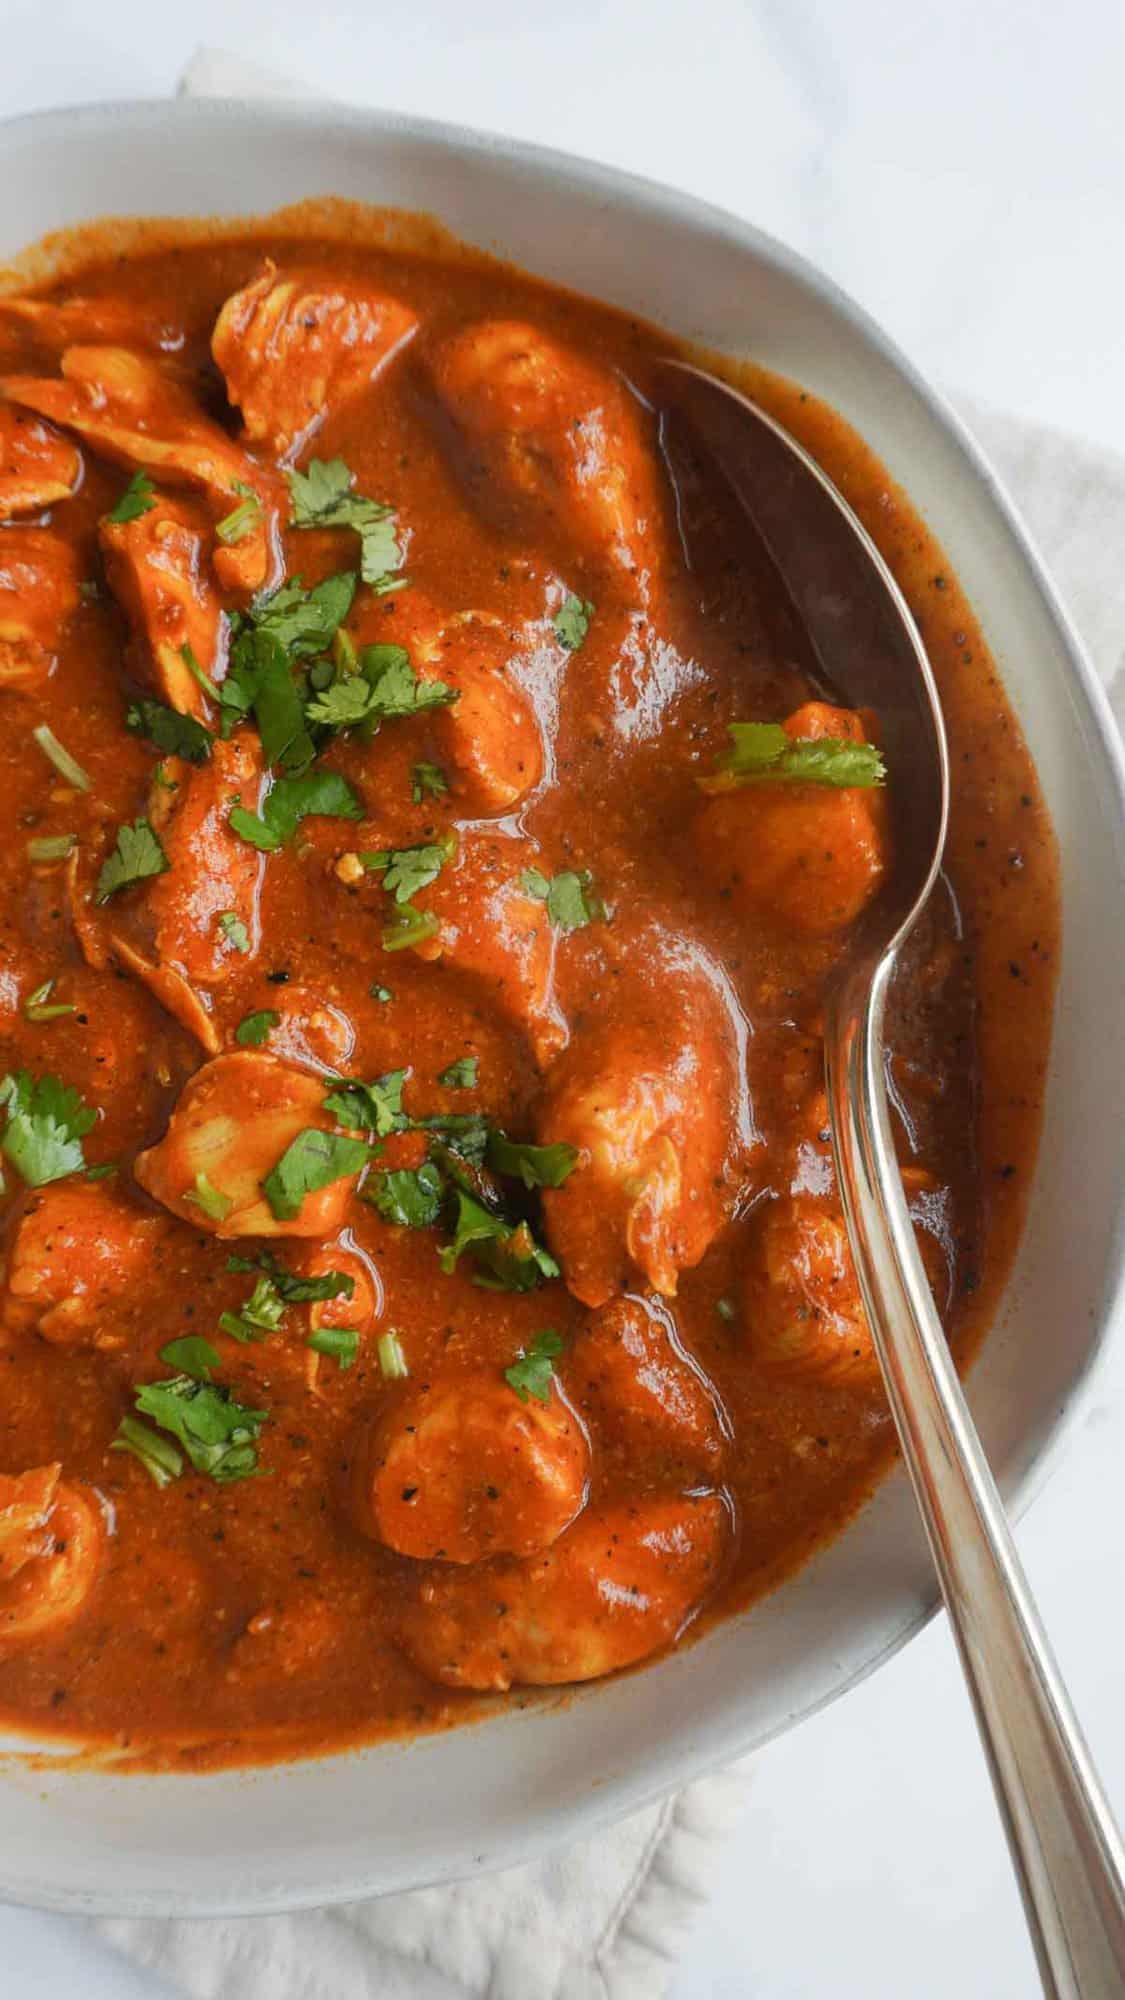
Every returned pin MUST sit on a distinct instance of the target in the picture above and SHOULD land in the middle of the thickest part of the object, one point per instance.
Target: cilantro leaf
(137, 855)
(382, 687)
(572, 622)
(510, 1258)
(323, 793)
(535, 1166)
(571, 899)
(765, 753)
(313, 1160)
(218, 1434)
(209, 1198)
(461, 1075)
(408, 870)
(191, 1356)
(370, 1107)
(463, 1132)
(409, 927)
(254, 1029)
(533, 1373)
(427, 781)
(138, 498)
(408, 1196)
(295, 1290)
(234, 931)
(260, 682)
(46, 1124)
(323, 497)
(304, 621)
(157, 1454)
(177, 735)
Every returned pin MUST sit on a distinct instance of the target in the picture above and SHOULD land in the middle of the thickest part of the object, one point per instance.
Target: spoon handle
(1065, 1845)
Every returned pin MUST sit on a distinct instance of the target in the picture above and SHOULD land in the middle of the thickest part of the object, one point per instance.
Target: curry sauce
(423, 1274)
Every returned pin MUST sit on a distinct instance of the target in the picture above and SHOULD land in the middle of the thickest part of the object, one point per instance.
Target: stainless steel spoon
(1066, 1848)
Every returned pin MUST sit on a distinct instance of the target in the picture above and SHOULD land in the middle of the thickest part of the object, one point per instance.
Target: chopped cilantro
(381, 993)
(323, 498)
(234, 931)
(392, 1360)
(533, 1373)
(384, 687)
(726, 1309)
(339, 1343)
(157, 1454)
(200, 678)
(255, 1029)
(177, 735)
(572, 622)
(137, 855)
(428, 781)
(406, 871)
(765, 753)
(510, 1258)
(138, 498)
(46, 1124)
(40, 1007)
(535, 1166)
(322, 793)
(293, 1289)
(260, 682)
(205, 1195)
(408, 927)
(409, 1196)
(218, 1434)
(313, 1160)
(461, 1075)
(51, 847)
(466, 1132)
(57, 754)
(192, 1355)
(370, 1107)
(571, 900)
(304, 621)
(243, 519)
(262, 1313)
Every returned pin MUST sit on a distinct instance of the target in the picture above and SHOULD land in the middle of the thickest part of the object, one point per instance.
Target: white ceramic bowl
(329, 1830)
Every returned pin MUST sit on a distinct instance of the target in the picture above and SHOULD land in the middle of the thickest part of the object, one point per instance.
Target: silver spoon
(1065, 1846)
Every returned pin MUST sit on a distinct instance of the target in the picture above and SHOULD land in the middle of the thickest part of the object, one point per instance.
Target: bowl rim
(553, 1824)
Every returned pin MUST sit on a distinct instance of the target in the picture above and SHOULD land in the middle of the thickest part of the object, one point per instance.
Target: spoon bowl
(1065, 1846)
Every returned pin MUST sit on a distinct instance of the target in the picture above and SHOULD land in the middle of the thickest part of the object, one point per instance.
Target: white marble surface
(962, 170)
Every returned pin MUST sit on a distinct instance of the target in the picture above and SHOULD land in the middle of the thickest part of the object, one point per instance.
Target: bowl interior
(332, 1829)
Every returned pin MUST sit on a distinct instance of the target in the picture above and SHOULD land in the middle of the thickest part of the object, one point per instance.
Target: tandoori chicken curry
(426, 841)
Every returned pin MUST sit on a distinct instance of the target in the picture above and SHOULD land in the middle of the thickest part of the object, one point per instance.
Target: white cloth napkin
(605, 1919)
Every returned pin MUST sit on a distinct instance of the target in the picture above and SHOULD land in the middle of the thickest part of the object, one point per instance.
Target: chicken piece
(128, 409)
(492, 927)
(51, 1540)
(39, 580)
(621, 1583)
(78, 1250)
(809, 857)
(58, 323)
(235, 1119)
(311, 1031)
(187, 930)
(644, 1095)
(643, 1398)
(465, 1469)
(803, 1312)
(156, 566)
(37, 464)
(297, 345)
(488, 740)
(555, 445)
(801, 1300)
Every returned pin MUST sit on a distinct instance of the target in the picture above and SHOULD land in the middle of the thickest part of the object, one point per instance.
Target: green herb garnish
(192, 1355)
(203, 1194)
(57, 754)
(571, 900)
(406, 871)
(136, 857)
(428, 781)
(764, 753)
(243, 519)
(46, 1124)
(322, 793)
(461, 1075)
(313, 1160)
(234, 931)
(339, 1343)
(533, 1373)
(262, 1313)
(218, 1434)
(411, 1197)
(157, 1454)
(175, 734)
(572, 622)
(392, 1360)
(40, 1007)
(370, 1107)
(510, 1259)
(254, 1029)
(138, 498)
(323, 497)
(293, 1289)
(535, 1166)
